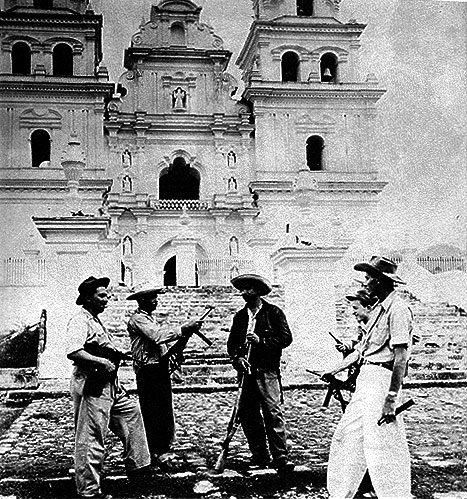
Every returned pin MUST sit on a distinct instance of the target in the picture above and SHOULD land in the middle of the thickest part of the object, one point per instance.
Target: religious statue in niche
(126, 158)
(232, 185)
(233, 246)
(231, 159)
(179, 98)
(127, 184)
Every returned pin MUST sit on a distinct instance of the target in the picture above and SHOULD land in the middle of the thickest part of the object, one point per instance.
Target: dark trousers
(155, 398)
(261, 416)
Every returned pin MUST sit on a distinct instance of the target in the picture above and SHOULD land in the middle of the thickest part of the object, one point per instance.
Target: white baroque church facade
(168, 176)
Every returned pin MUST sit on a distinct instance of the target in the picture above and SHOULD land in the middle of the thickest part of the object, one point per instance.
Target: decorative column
(185, 250)
(73, 163)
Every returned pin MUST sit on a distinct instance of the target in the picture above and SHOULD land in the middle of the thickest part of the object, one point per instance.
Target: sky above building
(418, 51)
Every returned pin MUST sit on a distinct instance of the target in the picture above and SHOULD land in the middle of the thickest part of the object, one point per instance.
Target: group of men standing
(257, 337)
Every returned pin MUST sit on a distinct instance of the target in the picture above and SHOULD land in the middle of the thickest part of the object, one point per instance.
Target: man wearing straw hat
(264, 327)
(99, 401)
(149, 345)
(359, 443)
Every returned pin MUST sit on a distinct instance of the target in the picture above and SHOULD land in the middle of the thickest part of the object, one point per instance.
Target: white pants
(359, 443)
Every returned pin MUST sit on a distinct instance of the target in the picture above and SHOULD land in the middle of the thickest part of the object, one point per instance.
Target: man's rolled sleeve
(77, 334)
(400, 326)
(157, 334)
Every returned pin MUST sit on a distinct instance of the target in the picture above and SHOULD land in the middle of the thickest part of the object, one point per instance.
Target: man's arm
(85, 358)
(281, 336)
(158, 334)
(398, 371)
(345, 363)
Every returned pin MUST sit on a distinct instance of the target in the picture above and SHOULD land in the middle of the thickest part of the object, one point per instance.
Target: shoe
(163, 462)
(260, 461)
(145, 471)
(283, 466)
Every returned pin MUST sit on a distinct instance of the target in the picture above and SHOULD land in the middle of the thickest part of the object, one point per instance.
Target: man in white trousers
(359, 443)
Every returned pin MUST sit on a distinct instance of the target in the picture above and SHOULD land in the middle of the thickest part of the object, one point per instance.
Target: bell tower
(314, 164)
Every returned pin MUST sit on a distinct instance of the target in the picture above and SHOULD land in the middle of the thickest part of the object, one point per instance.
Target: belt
(387, 365)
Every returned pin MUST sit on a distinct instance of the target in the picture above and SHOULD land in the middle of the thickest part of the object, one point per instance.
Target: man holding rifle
(151, 365)
(99, 401)
(261, 328)
(359, 442)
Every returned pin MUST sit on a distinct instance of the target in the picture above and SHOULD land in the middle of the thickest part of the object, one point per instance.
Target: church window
(328, 68)
(314, 152)
(170, 272)
(40, 148)
(305, 8)
(62, 60)
(21, 59)
(177, 34)
(179, 181)
(43, 4)
(290, 64)
(127, 184)
(127, 246)
(126, 158)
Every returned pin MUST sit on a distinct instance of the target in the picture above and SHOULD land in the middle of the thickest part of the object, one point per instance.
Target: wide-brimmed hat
(379, 266)
(262, 284)
(90, 285)
(362, 296)
(146, 294)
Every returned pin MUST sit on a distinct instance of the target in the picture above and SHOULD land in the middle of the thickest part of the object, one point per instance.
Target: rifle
(335, 387)
(233, 423)
(174, 355)
(97, 377)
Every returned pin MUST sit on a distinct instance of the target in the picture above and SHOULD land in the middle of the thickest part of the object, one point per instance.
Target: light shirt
(83, 328)
(390, 325)
(252, 319)
(148, 338)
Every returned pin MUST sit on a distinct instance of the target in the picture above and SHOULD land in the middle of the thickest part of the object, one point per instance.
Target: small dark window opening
(170, 272)
(40, 147)
(177, 35)
(289, 65)
(43, 4)
(328, 68)
(62, 60)
(314, 152)
(305, 8)
(179, 181)
(21, 59)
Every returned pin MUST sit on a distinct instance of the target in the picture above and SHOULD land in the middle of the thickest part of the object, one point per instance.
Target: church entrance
(170, 272)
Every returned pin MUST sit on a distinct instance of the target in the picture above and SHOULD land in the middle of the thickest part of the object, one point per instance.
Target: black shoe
(283, 466)
(260, 462)
(144, 472)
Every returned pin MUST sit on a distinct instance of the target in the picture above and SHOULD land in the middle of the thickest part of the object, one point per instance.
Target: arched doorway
(170, 272)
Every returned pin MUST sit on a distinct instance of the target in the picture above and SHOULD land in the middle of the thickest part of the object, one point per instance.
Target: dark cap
(146, 294)
(379, 266)
(89, 285)
(263, 285)
(362, 296)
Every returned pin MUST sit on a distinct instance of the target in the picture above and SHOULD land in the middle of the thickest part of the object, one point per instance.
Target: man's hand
(252, 338)
(108, 366)
(242, 365)
(343, 348)
(389, 409)
(190, 328)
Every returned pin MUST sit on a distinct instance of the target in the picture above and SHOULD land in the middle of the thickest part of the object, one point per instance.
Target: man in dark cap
(149, 348)
(362, 304)
(262, 328)
(359, 443)
(99, 401)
